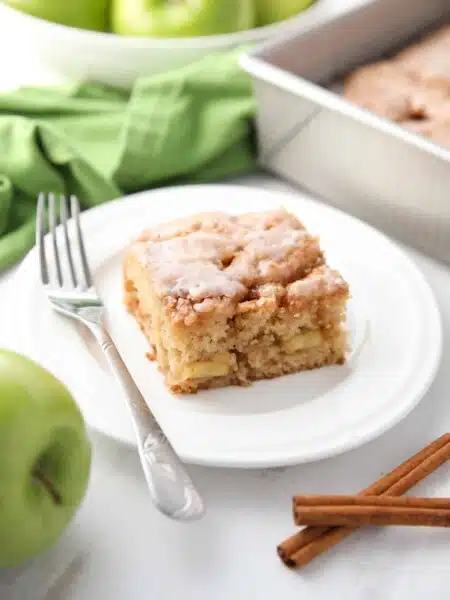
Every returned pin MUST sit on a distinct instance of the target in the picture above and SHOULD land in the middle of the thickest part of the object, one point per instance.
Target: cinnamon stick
(359, 516)
(371, 501)
(304, 546)
(356, 511)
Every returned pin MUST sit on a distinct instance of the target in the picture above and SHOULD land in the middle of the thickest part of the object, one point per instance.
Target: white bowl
(119, 61)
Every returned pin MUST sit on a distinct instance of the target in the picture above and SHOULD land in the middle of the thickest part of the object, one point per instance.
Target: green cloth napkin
(192, 124)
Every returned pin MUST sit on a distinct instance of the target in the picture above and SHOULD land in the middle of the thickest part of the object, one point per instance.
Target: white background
(119, 548)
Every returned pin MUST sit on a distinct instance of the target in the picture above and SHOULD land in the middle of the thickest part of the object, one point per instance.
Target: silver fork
(71, 292)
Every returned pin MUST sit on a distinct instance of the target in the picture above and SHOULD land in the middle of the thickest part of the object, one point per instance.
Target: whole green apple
(272, 11)
(45, 458)
(83, 14)
(181, 18)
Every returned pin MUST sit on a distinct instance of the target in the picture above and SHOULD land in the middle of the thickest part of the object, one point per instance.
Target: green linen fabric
(188, 125)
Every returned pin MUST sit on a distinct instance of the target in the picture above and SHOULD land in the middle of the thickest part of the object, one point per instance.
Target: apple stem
(48, 485)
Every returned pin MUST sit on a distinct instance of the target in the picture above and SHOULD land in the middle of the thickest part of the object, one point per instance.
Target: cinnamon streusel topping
(216, 255)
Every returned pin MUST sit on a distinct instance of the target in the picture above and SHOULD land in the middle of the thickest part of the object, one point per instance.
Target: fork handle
(170, 486)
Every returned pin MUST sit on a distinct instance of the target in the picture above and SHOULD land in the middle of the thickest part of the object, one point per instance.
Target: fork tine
(53, 223)
(40, 233)
(75, 210)
(64, 216)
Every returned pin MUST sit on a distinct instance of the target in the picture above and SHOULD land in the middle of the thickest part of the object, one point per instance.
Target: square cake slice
(226, 300)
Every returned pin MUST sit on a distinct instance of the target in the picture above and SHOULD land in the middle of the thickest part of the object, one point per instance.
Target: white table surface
(120, 548)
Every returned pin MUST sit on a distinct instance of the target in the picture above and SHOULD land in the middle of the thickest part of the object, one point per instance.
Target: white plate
(393, 319)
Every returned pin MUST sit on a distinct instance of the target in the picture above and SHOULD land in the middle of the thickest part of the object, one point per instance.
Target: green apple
(83, 14)
(272, 11)
(181, 18)
(45, 458)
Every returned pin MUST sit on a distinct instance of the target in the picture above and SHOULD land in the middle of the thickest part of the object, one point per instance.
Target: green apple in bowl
(83, 14)
(181, 18)
(45, 457)
(272, 11)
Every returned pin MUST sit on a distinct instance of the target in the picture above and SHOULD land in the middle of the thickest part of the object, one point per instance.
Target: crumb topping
(321, 281)
(429, 58)
(411, 89)
(215, 255)
(383, 88)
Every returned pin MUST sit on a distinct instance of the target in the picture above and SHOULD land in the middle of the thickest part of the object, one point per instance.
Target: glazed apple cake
(411, 88)
(226, 300)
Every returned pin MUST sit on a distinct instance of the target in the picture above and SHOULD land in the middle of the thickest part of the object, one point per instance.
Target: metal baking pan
(363, 164)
